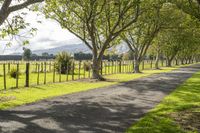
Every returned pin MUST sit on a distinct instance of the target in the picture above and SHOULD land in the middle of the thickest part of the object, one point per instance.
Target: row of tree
(162, 27)
(143, 25)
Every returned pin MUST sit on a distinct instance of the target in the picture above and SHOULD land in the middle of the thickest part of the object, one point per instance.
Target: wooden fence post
(27, 74)
(127, 66)
(73, 67)
(79, 70)
(123, 69)
(89, 72)
(105, 64)
(8, 67)
(108, 67)
(101, 67)
(133, 65)
(17, 76)
(45, 73)
(120, 66)
(36, 67)
(60, 67)
(54, 73)
(112, 65)
(84, 67)
(115, 67)
(143, 64)
(42, 68)
(38, 75)
(4, 75)
(67, 70)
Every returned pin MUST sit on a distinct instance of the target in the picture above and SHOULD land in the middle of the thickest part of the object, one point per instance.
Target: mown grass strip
(177, 113)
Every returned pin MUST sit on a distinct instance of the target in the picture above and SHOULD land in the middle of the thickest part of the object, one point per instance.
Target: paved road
(107, 110)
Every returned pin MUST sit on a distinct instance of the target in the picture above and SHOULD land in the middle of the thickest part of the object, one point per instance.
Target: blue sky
(49, 35)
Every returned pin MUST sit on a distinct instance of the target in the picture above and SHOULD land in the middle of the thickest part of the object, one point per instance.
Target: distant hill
(72, 48)
(75, 48)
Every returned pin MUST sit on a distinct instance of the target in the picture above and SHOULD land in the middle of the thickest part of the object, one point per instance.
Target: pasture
(41, 72)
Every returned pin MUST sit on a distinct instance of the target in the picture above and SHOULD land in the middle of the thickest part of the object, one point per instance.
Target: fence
(36, 73)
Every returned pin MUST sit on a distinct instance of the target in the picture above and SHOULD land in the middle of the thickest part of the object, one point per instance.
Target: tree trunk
(182, 61)
(186, 61)
(190, 60)
(137, 62)
(169, 62)
(137, 66)
(157, 61)
(96, 69)
(176, 62)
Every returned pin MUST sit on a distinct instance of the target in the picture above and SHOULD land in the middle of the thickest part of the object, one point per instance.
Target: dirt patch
(7, 98)
(189, 120)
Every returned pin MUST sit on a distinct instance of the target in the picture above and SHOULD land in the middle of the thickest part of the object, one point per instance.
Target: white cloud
(49, 35)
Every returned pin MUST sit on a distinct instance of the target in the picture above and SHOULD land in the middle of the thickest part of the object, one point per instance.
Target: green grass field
(177, 113)
(108, 68)
(15, 97)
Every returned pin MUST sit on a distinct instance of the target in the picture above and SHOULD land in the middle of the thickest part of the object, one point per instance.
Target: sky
(49, 35)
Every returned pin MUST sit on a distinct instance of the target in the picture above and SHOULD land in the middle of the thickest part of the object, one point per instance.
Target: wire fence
(37, 73)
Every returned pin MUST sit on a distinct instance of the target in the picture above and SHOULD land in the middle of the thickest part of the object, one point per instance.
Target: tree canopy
(161, 28)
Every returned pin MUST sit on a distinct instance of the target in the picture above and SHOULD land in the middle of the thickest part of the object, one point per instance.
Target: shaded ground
(108, 110)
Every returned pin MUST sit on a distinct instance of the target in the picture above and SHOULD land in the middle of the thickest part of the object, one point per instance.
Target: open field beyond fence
(36, 73)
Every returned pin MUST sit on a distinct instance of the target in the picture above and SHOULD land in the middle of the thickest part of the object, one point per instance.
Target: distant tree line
(28, 55)
(88, 56)
(20, 57)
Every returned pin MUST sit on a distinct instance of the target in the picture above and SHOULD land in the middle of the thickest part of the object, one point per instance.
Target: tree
(141, 34)
(7, 8)
(128, 55)
(190, 7)
(155, 50)
(190, 46)
(98, 23)
(172, 37)
(17, 23)
(45, 55)
(63, 62)
(27, 54)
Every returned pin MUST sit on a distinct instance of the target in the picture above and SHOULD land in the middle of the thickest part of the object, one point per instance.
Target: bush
(63, 59)
(87, 66)
(13, 73)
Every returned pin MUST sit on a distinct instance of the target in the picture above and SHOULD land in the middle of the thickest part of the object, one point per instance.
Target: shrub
(63, 59)
(87, 66)
(13, 73)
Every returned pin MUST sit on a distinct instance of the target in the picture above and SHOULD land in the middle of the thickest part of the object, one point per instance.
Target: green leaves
(92, 20)
(26, 42)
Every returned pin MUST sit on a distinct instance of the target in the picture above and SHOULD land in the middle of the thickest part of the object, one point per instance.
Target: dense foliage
(14, 73)
(63, 63)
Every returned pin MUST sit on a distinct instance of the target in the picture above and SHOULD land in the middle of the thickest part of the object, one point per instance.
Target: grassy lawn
(11, 82)
(12, 98)
(177, 113)
(107, 69)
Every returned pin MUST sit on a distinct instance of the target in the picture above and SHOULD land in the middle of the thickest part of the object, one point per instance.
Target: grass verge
(22, 96)
(177, 113)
